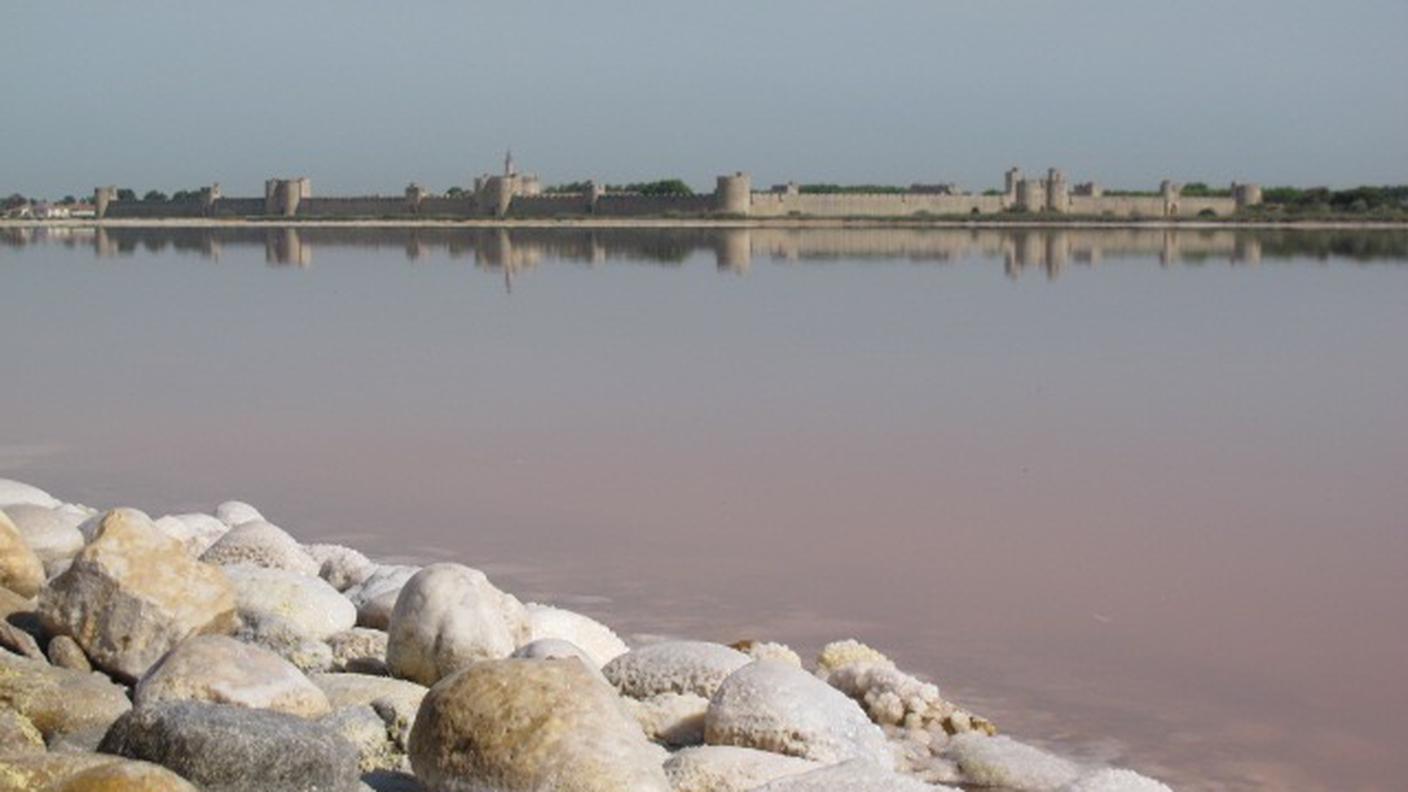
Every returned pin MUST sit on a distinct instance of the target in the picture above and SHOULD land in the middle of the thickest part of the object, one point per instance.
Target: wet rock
(852, 776)
(221, 670)
(232, 749)
(233, 513)
(1004, 762)
(56, 700)
(360, 650)
(133, 594)
(696, 667)
(17, 493)
(261, 544)
(446, 617)
(594, 638)
(65, 652)
(396, 700)
(775, 707)
(531, 725)
(52, 534)
(375, 597)
(17, 735)
(720, 768)
(671, 719)
(342, 567)
(305, 603)
(21, 571)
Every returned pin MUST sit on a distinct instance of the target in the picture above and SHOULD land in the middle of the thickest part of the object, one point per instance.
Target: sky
(364, 97)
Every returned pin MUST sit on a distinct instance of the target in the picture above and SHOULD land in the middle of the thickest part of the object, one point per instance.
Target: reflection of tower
(1168, 254)
(103, 245)
(734, 250)
(1246, 249)
(283, 246)
(1058, 247)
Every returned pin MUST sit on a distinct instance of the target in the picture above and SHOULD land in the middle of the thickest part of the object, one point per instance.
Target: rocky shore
(216, 652)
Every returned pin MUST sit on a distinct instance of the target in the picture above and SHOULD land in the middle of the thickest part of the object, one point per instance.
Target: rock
(446, 617)
(17, 493)
(1004, 762)
(775, 707)
(396, 700)
(596, 639)
(360, 650)
(65, 652)
(307, 604)
(56, 700)
(696, 667)
(93, 523)
(839, 654)
(364, 728)
(375, 597)
(261, 544)
(342, 567)
(722, 768)
(133, 594)
(18, 736)
(1112, 780)
(852, 776)
(556, 649)
(21, 571)
(20, 642)
(233, 513)
(287, 640)
(81, 741)
(200, 531)
(29, 772)
(768, 650)
(391, 781)
(125, 776)
(52, 534)
(510, 725)
(671, 719)
(221, 670)
(232, 749)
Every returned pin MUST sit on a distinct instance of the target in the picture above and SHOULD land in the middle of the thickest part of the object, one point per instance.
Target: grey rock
(696, 667)
(375, 597)
(65, 652)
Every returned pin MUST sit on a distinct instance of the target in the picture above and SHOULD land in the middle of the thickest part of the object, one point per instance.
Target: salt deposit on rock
(306, 603)
(852, 776)
(530, 725)
(342, 567)
(360, 650)
(768, 650)
(696, 667)
(287, 640)
(233, 513)
(221, 670)
(775, 707)
(594, 638)
(1113, 780)
(1004, 762)
(556, 649)
(132, 594)
(395, 700)
(261, 544)
(195, 532)
(839, 654)
(21, 571)
(52, 534)
(723, 768)
(366, 731)
(17, 493)
(446, 617)
(375, 597)
(672, 719)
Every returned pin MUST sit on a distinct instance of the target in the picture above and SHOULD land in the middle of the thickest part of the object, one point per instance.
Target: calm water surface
(1141, 496)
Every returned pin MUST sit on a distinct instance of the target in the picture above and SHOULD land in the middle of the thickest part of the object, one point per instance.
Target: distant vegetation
(1387, 201)
(154, 196)
(569, 187)
(659, 187)
(831, 189)
(124, 194)
(1201, 190)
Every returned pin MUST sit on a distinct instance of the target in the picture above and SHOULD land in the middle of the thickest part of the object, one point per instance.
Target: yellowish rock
(221, 670)
(125, 776)
(57, 700)
(20, 569)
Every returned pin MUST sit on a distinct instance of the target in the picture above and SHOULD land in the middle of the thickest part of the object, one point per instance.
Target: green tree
(125, 194)
(154, 196)
(455, 192)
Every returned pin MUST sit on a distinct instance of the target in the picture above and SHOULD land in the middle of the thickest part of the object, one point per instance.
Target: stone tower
(1246, 195)
(734, 194)
(102, 196)
(1011, 179)
(1058, 194)
(1171, 194)
(415, 195)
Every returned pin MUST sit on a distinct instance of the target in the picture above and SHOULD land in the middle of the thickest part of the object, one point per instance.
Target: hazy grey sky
(365, 96)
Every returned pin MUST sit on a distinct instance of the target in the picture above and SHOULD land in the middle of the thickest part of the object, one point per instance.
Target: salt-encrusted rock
(233, 513)
(221, 670)
(446, 617)
(725, 768)
(596, 639)
(308, 604)
(124, 775)
(232, 749)
(342, 567)
(1115, 780)
(364, 728)
(509, 725)
(696, 667)
(132, 594)
(17, 493)
(21, 571)
(93, 523)
(672, 719)
(57, 700)
(52, 534)
(375, 597)
(396, 700)
(769, 650)
(287, 640)
(839, 654)
(20, 642)
(201, 530)
(851, 776)
(361, 650)
(556, 649)
(1004, 762)
(261, 544)
(17, 735)
(775, 707)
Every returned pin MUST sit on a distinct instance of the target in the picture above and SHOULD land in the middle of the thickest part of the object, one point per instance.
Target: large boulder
(232, 749)
(17, 493)
(262, 544)
(777, 707)
(233, 513)
(446, 617)
(726, 768)
(21, 571)
(306, 603)
(591, 636)
(29, 772)
(527, 725)
(222, 670)
(696, 667)
(196, 532)
(375, 597)
(58, 701)
(133, 594)
(18, 735)
(852, 776)
(52, 534)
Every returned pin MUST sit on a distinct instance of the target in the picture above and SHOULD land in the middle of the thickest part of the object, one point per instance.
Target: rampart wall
(359, 206)
(871, 204)
(145, 209)
(449, 206)
(637, 205)
(550, 205)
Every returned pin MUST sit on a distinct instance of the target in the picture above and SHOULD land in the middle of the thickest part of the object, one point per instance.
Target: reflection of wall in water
(284, 247)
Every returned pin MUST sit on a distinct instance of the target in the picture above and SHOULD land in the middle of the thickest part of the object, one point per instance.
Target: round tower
(102, 196)
(415, 194)
(1058, 194)
(1029, 197)
(1011, 179)
(734, 194)
(1246, 195)
(1171, 193)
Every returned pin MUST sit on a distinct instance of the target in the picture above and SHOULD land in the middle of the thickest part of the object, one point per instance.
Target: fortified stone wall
(147, 209)
(871, 204)
(1148, 206)
(635, 205)
(239, 207)
(449, 206)
(360, 206)
(550, 205)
